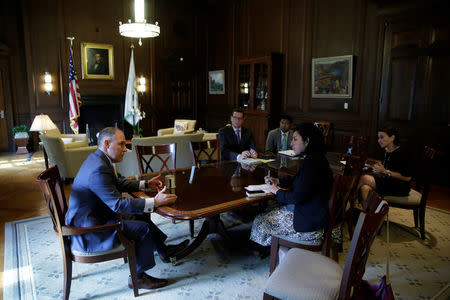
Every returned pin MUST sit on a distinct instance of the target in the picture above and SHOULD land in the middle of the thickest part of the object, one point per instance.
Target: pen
(268, 174)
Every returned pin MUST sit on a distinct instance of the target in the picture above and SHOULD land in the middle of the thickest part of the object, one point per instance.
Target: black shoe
(172, 250)
(148, 282)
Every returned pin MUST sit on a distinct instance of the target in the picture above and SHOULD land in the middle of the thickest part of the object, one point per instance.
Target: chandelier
(140, 28)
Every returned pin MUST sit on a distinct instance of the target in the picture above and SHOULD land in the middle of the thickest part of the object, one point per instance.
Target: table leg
(45, 158)
(210, 225)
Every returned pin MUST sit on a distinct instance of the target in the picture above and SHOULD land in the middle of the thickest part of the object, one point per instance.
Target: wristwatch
(388, 173)
(146, 185)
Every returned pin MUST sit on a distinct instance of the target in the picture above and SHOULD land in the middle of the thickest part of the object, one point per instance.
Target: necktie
(238, 135)
(284, 142)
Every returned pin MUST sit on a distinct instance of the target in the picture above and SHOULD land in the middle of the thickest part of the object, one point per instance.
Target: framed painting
(332, 77)
(217, 82)
(97, 61)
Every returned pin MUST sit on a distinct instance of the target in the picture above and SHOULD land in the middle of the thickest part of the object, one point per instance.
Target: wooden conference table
(215, 189)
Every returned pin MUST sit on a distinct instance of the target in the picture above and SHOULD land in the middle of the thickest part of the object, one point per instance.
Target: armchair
(68, 158)
(181, 126)
(70, 140)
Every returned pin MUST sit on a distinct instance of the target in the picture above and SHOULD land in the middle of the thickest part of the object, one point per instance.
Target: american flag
(74, 96)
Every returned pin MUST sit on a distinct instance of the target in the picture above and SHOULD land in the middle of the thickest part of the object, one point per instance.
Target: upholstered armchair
(68, 157)
(180, 127)
(69, 140)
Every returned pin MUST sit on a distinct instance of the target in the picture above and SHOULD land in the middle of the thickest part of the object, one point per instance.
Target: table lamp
(42, 123)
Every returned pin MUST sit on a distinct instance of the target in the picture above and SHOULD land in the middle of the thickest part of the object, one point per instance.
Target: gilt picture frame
(97, 61)
(332, 77)
(216, 82)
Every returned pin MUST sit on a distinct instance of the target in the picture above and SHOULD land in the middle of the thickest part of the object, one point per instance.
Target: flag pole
(71, 38)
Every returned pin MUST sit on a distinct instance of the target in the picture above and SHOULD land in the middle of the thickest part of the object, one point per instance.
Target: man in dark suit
(236, 141)
(96, 199)
(279, 139)
(99, 66)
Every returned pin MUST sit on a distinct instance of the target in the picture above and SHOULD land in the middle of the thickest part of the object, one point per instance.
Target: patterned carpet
(216, 270)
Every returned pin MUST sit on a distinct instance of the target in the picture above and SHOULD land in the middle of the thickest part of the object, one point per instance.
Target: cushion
(67, 140)
(303, 274)
(180, 127)
(412, 199)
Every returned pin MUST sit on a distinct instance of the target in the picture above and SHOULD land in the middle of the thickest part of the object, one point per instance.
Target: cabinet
(259, 93)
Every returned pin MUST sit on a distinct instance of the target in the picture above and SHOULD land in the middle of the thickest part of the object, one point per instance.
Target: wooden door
(415, 86)
(4, 146)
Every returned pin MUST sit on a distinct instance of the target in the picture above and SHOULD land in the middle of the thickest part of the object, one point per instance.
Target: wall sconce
(48, 86)
(141, 84)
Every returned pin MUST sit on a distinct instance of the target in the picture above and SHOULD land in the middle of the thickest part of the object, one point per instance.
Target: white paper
(287, 152)
(258, 187)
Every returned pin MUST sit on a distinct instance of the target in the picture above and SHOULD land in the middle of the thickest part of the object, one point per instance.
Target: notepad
(287, 152)
(258, 187)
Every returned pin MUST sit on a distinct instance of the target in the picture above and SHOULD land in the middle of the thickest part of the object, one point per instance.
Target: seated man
(96, 199)
(236, 141)
(280, 139)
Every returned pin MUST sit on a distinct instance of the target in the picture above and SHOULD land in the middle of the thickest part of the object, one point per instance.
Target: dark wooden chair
(165, 154)
(204, 152)
(52, 189)
(356, 145)
(325, 128)
(296, 277)
(420, 186)
(338, 193)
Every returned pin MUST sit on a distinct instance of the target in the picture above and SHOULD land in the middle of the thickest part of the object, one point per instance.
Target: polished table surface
(215, 188)
(219, 188)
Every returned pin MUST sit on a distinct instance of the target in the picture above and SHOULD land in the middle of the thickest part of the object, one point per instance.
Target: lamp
(141, 84)
(48, 86)
(42, 123)
(140, 28)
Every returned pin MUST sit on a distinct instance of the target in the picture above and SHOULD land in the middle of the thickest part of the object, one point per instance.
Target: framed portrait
(97, 61)
(332, 77)
(217, 82)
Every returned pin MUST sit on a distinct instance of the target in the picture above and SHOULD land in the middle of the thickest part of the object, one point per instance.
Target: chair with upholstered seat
(304, 274)
(356, 145)
(156, 158)
(417, 198)
(335, 203)
(324, 126)
(205, 151)
(53, 192)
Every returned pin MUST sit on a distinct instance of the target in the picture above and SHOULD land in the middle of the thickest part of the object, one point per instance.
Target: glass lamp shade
(42, 123)
(139, 30)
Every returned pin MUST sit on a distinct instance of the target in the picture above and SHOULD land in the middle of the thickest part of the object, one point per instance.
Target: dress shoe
(148, 282)
(172, 250)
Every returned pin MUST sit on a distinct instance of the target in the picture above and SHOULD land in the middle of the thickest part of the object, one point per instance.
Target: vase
(21, 145)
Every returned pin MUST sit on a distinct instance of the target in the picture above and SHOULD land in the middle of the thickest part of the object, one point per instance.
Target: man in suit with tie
(96, 199)
(279, 139)
(236, 141)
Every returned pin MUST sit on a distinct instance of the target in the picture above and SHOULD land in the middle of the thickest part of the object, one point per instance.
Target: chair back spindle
(164, 154)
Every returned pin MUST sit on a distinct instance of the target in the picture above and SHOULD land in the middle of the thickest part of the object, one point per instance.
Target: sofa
(180, 126)
(184, 158)
(69, 140)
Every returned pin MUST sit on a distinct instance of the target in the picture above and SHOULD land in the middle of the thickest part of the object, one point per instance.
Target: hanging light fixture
(140, 28)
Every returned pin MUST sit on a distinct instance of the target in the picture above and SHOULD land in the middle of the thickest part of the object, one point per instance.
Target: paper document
(287, 152)
(254, 161)
(258, 187)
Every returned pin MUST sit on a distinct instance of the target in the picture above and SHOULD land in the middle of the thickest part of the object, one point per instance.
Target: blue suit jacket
(310, 193)
(229, 146)
(96, 199)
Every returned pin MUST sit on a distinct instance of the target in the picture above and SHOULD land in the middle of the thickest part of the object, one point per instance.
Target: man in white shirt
(96, 199)
(279, 139)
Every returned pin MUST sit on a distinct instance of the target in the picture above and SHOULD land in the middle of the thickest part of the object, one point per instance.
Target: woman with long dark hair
(392, 175)
(306, 214)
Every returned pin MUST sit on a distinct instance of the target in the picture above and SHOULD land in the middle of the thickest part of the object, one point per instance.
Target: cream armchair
(67, 157)
(69, 140)
(184, 126)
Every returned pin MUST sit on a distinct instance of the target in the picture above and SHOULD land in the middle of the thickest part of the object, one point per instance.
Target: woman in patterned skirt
(306, 214)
